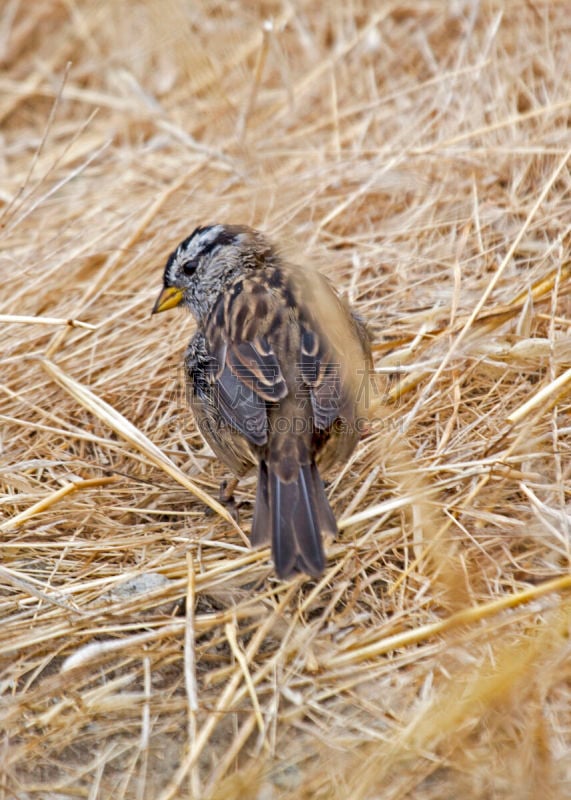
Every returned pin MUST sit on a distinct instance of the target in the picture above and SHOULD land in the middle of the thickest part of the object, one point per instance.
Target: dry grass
(419, 154)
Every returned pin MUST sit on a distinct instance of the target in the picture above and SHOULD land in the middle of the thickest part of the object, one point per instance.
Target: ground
(416, 153)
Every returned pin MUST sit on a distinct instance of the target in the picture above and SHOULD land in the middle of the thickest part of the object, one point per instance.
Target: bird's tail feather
(295, 514)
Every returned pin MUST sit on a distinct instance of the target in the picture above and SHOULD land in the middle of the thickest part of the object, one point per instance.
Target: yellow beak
(168, 298)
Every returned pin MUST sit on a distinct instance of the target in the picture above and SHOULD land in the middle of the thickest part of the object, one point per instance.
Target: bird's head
(205, 263)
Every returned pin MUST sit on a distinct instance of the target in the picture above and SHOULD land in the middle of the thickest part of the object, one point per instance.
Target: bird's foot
(227, 499)
(226, 491)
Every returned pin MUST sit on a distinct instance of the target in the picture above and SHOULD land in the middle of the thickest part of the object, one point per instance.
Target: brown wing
(265, 340)
(245, 373)
(321, 372)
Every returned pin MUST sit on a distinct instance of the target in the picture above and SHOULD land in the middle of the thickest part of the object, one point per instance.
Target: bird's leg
(226, 491)
(226, 497)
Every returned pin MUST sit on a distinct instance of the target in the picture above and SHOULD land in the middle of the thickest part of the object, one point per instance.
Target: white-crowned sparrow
(279, 373)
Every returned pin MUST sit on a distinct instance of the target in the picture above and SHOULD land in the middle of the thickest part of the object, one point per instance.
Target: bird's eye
(189, 267)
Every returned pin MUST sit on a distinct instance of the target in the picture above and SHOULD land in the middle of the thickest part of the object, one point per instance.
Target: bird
(278, 373)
